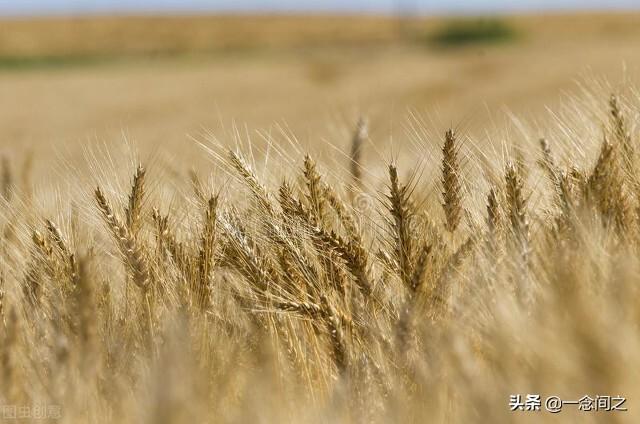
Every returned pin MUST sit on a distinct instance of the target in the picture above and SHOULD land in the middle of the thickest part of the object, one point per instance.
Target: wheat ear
(620, 131)
(351, 252)
(69, 257)
(548, 164)
(452, 192)
(129, 249)
(136, 198)
(206, 254)
(517, 204)
(259, 191)
(197, 187)
(402, 215)
(315, 192)
(359, 137)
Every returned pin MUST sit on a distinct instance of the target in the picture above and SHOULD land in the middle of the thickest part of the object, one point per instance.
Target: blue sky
(440, 6)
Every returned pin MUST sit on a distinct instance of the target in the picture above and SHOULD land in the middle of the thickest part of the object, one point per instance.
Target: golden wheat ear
(206, 255)
(548, 164)
(197, 186)
(360, 135)
(131, 253)
(620, 130)
(420, 269)
(42, 262)
(402, 214)
(315, 192)
(516, 203)
(604, 182)
(68, 256)
(495, 222)
(328, 242)
(133, 211)
(167, 242)
(452, 191)
(493, 211)
(601, 174)
(341, 210)
(250, 179)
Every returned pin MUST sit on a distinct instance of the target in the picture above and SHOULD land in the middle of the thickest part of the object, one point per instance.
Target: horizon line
(381, 12)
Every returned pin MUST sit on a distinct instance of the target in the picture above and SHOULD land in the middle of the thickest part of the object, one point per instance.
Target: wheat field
(422, 279)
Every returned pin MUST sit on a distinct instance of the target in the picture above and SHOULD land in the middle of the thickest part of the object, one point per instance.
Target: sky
(44, 7)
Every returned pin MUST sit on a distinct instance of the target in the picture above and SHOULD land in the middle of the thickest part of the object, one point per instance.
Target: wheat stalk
(2, 294)
(85, 307)
(440, 294)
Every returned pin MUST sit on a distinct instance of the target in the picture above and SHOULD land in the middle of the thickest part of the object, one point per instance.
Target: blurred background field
(164, 81)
